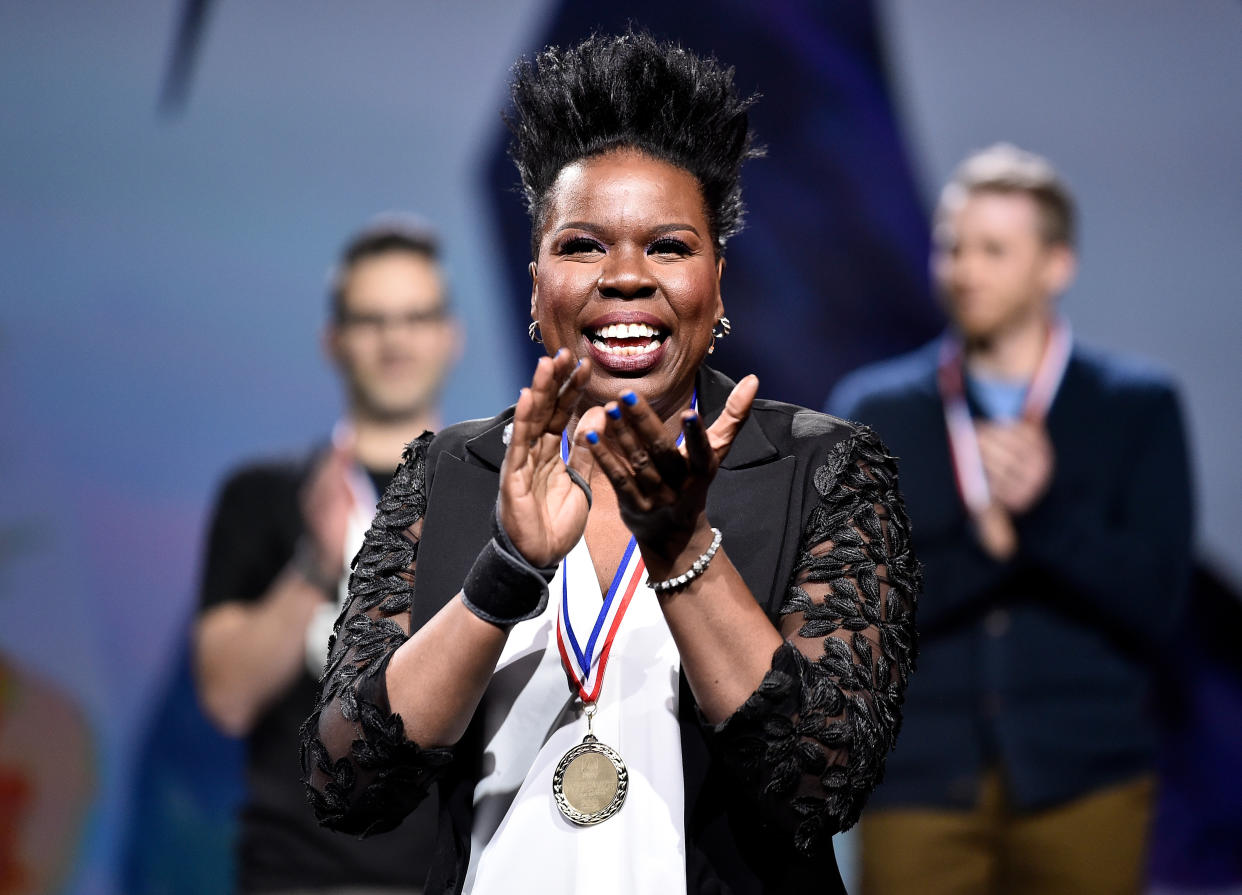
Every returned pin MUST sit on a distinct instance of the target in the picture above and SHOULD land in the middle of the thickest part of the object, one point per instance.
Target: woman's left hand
(661, 487)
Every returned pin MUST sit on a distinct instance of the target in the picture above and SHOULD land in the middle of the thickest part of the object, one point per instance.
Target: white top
(521, 843)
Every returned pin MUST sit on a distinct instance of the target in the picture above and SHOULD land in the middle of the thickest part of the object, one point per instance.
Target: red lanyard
(972, 482)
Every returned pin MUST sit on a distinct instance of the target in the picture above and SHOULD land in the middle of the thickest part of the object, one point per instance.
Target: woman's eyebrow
(577, 225)
(669, 228)
(655, 231)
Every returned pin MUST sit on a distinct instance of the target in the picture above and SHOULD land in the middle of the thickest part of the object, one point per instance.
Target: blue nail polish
(630, 398)
(614, 413)
(592, 438)
(691, 420)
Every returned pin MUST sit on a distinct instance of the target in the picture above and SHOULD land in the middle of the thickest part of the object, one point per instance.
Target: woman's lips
(625, 359)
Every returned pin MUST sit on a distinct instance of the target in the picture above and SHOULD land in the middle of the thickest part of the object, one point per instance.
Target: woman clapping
(643, 631)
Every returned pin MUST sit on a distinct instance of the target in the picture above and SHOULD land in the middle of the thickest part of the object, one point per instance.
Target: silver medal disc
(590, 782)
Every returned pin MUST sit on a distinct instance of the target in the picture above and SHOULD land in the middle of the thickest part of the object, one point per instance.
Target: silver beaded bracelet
(699, 567)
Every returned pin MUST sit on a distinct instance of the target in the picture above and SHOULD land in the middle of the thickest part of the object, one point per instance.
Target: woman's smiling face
(628, 276)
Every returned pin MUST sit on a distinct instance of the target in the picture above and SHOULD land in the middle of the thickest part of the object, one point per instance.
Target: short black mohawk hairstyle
(609, 92)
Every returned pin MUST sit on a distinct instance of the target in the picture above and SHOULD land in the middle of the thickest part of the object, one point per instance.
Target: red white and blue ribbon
(586, 658)
(972, 481)
(586, 661)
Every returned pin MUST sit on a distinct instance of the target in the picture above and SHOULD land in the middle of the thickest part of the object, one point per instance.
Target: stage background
(163, 275)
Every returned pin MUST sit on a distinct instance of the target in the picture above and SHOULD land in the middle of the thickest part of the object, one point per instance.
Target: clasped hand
(1019, 462)
(661, 487)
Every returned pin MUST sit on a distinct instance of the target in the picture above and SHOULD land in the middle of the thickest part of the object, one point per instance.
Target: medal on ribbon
(591, 781)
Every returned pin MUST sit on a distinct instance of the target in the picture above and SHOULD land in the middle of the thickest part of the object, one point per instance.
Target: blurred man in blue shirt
(1049, 488)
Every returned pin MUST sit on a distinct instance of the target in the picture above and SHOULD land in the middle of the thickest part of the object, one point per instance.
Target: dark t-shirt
(254, 531)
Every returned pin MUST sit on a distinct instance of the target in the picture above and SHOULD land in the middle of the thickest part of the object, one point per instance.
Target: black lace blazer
(813, 521)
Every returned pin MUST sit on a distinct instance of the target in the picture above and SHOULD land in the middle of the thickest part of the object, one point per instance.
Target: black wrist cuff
(578, 480)
(503, 587)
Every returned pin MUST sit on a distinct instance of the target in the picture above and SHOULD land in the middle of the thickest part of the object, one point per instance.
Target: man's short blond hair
(1004, 168)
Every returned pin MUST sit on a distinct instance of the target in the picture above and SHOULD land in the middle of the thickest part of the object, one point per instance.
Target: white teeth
(626, 351)
(626, 331)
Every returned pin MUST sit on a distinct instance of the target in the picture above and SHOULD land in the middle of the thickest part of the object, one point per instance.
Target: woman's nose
(625, 274)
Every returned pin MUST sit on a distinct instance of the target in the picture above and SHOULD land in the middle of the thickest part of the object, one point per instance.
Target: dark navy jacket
(1040, 665)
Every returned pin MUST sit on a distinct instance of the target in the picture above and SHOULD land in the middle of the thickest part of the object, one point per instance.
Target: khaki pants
(1094, 845)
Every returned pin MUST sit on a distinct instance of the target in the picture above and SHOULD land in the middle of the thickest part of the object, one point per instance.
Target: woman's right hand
(542, 510)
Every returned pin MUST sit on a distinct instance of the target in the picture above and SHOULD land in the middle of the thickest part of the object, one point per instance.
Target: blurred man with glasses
(281, 540)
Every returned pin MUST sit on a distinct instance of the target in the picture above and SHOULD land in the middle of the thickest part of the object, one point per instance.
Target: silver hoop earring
(534, 332)
(725, 327)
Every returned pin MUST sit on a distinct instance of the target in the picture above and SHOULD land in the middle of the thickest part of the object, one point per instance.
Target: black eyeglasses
(377, 323)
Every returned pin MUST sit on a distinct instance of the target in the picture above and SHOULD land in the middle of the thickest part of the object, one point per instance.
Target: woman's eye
(668, 246)
(580, 245)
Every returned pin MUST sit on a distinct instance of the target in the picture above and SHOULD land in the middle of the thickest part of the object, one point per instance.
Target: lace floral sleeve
(363, 775)
(814, 737)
